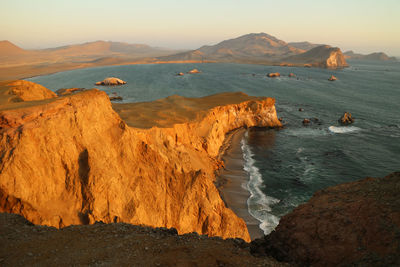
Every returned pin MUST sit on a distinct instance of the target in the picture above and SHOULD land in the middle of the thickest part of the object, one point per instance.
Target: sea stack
(332, 78)
(111, 81)
(346, 119)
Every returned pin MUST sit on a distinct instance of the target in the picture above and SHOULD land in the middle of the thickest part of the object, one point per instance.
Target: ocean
(283, 168)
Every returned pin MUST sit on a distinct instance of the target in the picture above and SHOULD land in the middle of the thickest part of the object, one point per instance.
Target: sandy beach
(232, 182)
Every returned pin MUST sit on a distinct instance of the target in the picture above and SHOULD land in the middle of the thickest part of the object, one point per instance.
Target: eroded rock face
(355, 223)
(74, 161)
(111, 81)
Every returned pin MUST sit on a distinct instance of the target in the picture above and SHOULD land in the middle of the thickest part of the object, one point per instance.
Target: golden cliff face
(73, 160)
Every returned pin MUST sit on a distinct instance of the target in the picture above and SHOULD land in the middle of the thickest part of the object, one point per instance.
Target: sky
(364, 26)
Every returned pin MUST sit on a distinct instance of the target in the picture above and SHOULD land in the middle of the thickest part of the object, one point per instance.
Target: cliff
(73, 160)
(323, 56)
(351, 224)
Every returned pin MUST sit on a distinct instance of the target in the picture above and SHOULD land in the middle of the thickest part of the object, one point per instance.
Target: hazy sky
(362, 25)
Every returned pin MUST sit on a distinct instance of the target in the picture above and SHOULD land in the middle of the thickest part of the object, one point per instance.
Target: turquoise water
(285, 166)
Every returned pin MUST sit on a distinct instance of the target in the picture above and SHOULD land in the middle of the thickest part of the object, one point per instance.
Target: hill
(7, 48)
(259, 48)
(377, 56)
(323, 56)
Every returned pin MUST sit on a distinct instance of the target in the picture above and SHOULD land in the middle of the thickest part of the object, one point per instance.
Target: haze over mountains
(254, 48)
(11, 54)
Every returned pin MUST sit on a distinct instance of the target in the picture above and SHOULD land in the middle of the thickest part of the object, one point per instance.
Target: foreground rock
(73, 160)
(346, 119)
(111, 81)
(354, 223)
(24, 244)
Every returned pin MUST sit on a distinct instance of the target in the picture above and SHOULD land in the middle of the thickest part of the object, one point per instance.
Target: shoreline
(33, 70)
(232, 179)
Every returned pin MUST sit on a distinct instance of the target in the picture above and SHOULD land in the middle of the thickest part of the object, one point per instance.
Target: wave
(344, 129)
(259, 204)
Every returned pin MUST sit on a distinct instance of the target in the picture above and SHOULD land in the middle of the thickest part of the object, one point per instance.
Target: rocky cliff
(73, 160)
(323, 56)
(351, 224)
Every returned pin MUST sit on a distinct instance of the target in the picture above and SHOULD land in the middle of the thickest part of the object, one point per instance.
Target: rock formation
(19, 91)
(323, 56)
(180, 74)
(72, 160)
(332, 78)
(274, 74)
(111, 81)
(351, 224)
(193, 71)
(346, 119)
(291, 75)
(67, 91)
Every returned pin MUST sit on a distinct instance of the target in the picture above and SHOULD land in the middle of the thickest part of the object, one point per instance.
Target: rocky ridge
(351, 224)
(73, 160)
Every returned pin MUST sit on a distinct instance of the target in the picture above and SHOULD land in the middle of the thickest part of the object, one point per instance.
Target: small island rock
(193, 71)
(332, 78)
(180, 74)
(346, 119)
(273, 74)
(292, 75)
(111, 81)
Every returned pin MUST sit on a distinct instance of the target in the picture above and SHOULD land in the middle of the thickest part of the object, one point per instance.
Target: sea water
(284, 167)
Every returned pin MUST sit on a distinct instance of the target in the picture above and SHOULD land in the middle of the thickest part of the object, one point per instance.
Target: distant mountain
(323, 56)
(304, 45)
(264, 49)
(7, 48)
(12, 55)
(378, 56)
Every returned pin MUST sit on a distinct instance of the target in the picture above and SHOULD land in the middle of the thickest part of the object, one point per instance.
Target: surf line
(259, 204)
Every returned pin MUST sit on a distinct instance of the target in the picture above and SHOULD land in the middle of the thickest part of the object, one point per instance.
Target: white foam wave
(344, 129)
(259, 204)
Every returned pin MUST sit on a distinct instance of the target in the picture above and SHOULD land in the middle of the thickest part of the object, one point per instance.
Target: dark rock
(301, 109)
(351, 224)
(306, 122)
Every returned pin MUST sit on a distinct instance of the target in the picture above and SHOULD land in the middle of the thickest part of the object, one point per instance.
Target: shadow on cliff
(83, 172)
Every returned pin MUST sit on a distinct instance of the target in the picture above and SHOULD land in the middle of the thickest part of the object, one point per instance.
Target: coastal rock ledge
(351, 224)
(73, 160)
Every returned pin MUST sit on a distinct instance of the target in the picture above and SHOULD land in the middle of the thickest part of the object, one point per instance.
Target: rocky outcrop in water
(346, 119)
(355, 223)
(274, 74)
(194, 71)
(332, 78)
(111, 81)
(73, 160)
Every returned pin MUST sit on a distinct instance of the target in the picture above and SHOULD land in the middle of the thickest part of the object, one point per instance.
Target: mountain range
(377, 56)
(253, 48)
